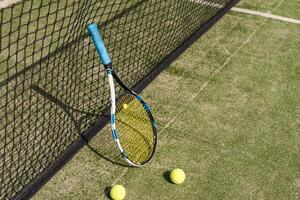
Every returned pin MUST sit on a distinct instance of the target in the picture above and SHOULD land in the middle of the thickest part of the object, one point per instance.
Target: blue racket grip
(96, 37)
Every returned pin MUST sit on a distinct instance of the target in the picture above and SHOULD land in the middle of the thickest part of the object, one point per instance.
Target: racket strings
(134, 128)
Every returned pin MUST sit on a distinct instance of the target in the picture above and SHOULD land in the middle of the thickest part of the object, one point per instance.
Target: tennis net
(53, 89)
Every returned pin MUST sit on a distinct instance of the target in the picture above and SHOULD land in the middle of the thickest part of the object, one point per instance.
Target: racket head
(136, 129)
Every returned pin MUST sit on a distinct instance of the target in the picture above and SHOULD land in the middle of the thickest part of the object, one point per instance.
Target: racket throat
(108, 66)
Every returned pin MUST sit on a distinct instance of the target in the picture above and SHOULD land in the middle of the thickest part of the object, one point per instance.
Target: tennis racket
(133, 127)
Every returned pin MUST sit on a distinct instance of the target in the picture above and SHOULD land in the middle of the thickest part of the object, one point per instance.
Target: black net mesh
(52, 85)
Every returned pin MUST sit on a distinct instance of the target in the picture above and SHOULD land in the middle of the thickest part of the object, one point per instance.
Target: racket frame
(104, 57)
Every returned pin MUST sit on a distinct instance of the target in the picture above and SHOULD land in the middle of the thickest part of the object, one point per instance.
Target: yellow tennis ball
(117, 192)
(125, 106)
(177, 176)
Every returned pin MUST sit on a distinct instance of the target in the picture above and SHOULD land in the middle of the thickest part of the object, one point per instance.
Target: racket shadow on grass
(105, 145)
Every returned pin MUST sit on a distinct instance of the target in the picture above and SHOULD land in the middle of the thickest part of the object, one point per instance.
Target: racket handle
(98, 42)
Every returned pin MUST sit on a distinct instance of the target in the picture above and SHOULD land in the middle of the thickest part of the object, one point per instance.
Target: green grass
(287, 8)
(236, 134)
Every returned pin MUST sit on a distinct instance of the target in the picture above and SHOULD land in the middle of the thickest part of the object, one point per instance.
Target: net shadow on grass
(103, 146)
